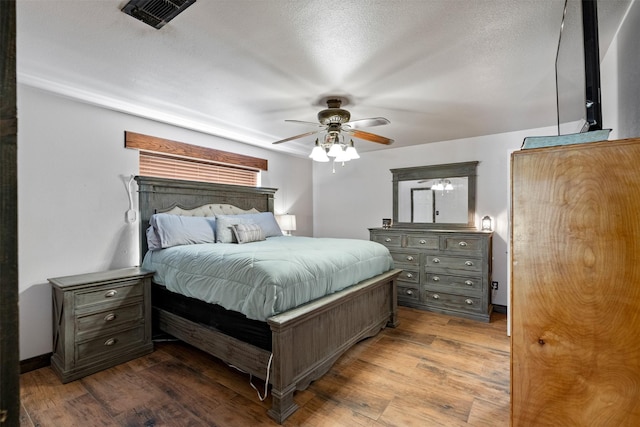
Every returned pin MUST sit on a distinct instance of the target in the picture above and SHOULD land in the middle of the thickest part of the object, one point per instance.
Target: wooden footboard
(306, 341)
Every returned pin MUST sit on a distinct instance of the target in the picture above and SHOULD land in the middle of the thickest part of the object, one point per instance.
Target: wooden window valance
(180, 149)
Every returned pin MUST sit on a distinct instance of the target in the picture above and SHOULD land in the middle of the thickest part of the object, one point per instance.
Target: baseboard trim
(34, 363)
(500, 308)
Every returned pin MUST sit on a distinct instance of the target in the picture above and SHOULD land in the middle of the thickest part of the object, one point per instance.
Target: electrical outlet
(494, 286)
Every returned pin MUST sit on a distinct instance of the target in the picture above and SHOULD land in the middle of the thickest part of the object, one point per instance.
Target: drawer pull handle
(111, 293)
(409, 292)
(468, 282)
(109, 317)
(436, 278)
(409, 275)
(409, 258)
(468, 263)
(436, 296)
(436, 260)
(469, 301)
(462, 244)
(110, 342)
(388, 239)
(423, 242)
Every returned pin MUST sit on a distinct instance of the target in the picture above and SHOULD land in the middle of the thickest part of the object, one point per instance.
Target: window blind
(166, 166)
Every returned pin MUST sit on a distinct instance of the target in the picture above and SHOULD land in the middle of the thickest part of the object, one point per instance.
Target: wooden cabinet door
(575, 299)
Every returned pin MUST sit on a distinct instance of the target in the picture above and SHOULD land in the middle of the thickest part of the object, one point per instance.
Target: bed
(289, 350)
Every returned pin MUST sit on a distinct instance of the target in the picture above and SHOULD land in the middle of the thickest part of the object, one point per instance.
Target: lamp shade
(287, 222)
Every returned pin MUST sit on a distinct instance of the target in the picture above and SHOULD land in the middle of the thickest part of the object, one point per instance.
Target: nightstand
(100, 320)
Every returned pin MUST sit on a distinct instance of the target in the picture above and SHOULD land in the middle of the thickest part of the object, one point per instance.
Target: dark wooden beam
(9, 353)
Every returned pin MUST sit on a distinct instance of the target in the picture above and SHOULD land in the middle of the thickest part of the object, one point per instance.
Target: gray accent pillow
(265, 220)
(247, 233)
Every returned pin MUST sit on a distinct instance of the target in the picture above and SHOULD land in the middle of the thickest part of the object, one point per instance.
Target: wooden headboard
(161, 194)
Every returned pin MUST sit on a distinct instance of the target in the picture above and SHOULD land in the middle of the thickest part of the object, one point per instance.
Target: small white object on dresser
(100, 320)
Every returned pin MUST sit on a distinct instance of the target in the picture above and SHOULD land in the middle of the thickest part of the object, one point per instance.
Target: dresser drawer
(97, 322)
(466, 244)
(109, 345)
(406, 258)
(407, 293)
(437, 263)
(109, 293)
(410, 276)
(445, 301)
(423, 242)
(389, 240)
(460, 285)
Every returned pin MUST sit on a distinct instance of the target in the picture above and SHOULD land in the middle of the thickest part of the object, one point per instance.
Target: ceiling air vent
(156, 12)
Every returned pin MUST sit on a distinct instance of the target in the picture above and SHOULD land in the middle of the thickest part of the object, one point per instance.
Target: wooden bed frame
(306, 341)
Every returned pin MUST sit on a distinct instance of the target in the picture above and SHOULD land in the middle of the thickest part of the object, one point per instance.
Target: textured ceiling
(437, 69)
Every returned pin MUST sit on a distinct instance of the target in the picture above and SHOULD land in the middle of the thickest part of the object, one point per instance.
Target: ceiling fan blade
(368, 136)
(304, 123)
(302, 135)
(365, 123)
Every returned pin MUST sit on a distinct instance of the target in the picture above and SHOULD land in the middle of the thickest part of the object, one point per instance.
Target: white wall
(359, 194)
(620, 79)
(72, 169)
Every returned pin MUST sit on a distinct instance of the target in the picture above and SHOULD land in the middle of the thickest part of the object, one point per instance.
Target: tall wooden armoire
(575, 302)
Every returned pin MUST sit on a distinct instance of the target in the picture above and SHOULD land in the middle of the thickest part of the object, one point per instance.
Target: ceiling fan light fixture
(318, 154)
(351, 151)
(335, 150)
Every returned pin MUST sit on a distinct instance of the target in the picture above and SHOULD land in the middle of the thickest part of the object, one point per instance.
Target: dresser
(100, 320)
(443, 271)
(575, 285)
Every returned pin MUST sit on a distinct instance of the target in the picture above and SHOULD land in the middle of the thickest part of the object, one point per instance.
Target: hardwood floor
(432, 370)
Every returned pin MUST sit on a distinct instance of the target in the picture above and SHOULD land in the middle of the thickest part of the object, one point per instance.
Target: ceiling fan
(334, 120)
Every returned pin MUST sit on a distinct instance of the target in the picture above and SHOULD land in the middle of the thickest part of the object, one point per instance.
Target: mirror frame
(450, 170)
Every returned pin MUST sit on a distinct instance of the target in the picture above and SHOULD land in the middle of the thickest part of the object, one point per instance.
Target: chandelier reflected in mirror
(442, 185)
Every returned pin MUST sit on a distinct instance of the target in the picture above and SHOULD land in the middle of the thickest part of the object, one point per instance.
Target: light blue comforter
(261, 279)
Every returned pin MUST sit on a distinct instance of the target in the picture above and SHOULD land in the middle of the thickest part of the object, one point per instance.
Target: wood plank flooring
(433, 370)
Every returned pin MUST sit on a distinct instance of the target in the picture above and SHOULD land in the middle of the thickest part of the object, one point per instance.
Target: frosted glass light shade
(318, 154)
(335, 150)
(351, 151)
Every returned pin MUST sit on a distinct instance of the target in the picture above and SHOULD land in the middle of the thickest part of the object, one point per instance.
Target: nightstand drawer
(109, 293)
(109, 345)
(108, 319)
(459, 285)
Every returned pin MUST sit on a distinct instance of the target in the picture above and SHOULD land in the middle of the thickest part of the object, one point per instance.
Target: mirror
(438, 196)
